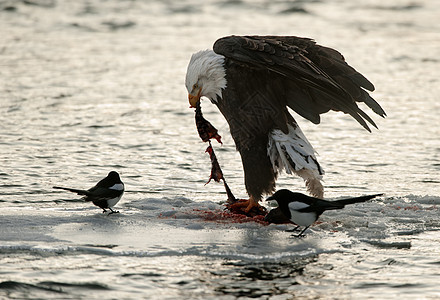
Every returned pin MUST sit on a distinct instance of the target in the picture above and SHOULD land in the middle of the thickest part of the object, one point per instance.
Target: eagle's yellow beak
(193, 100)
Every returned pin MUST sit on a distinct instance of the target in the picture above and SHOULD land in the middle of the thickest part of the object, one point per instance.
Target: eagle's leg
(252, 203)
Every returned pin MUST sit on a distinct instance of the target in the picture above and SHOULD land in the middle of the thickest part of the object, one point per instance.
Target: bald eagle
(253, 80)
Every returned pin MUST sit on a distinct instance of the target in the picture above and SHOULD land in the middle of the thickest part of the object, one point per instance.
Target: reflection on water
(244, 279)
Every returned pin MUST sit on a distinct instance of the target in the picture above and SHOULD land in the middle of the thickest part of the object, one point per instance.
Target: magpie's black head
(284, 197)
(113, 176)
(281, 196)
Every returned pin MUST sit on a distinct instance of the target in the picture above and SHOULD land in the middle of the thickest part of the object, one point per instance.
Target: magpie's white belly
(112, 202)
(302, 219)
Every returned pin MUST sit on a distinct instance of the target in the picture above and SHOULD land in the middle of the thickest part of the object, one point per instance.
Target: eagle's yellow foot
(246, 205)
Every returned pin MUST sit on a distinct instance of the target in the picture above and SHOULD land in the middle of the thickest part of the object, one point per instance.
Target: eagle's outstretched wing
(318, 78)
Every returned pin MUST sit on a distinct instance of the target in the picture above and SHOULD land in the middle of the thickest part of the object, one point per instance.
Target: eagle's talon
(248, 207)
(244, 205)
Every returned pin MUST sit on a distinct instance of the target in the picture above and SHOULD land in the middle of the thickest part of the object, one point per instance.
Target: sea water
(87, 87)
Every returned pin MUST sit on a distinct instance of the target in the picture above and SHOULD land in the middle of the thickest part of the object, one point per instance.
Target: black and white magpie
(304, 210)
(105, 194)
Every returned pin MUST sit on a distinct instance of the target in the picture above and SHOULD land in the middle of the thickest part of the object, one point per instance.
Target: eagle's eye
(195, 86)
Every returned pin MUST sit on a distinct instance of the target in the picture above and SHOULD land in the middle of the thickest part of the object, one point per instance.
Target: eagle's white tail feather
(293, 153)
(313, 182)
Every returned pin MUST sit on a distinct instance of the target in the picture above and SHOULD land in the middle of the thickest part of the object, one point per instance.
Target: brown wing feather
(316, 79)
(334, 64)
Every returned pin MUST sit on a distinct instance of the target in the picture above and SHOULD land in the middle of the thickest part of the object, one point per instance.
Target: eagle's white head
(205, 76)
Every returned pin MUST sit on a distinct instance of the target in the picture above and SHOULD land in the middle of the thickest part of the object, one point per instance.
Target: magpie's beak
(271, 198)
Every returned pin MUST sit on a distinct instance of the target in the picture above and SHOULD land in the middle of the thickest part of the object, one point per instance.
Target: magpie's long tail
(357, 199)
(79, 192)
